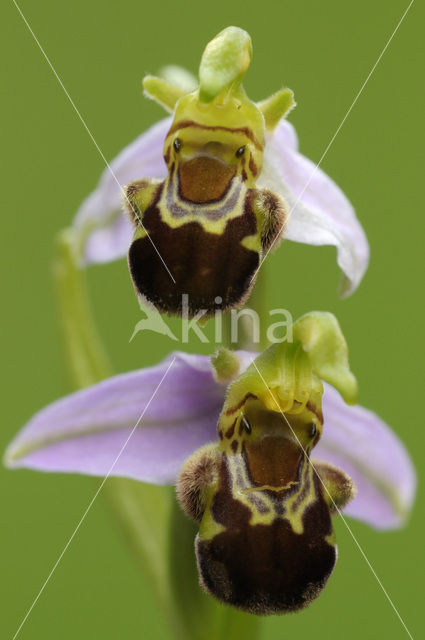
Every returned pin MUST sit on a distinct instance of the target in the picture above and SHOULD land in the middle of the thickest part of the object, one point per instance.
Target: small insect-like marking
(239, 153)
(231, 430)
(167, 154)
(253, 167)
(316, 411)
(240, 404)
(246, 425)
(259, 504)
(177, 144)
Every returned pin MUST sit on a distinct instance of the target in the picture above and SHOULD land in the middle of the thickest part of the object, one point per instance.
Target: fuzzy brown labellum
(213, 270)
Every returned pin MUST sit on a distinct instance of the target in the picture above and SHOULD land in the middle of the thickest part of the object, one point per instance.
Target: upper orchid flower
(254, 490)
(232, 184)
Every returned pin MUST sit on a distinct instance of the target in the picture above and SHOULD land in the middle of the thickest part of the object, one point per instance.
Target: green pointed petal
(164, 93)
(224, 62)
(179, 77)
(276, 107)
(323, 340)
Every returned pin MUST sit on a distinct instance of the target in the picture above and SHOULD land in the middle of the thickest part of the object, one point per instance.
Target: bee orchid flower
(191, 153)
(241, 457)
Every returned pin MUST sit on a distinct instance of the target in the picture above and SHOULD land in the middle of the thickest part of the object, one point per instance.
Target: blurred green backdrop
(101, 50)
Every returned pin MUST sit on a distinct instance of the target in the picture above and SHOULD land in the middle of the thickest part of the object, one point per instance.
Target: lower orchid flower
(263, 504)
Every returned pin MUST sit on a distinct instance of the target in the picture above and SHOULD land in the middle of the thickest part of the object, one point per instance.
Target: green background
(323, 51)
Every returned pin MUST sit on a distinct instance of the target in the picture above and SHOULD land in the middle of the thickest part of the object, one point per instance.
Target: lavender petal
(103, 229)
(359, 442)
(320, 214)
(85, 431)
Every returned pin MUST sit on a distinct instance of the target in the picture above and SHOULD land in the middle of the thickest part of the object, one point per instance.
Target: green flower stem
(85, 355)
(164, 554)
(142, 512)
